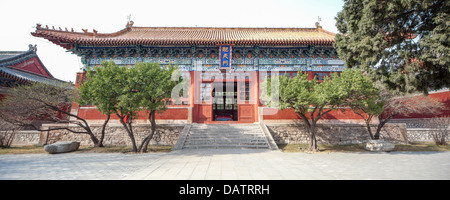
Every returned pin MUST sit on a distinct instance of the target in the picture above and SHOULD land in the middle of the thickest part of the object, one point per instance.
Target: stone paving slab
(227, 164)
(73, 166)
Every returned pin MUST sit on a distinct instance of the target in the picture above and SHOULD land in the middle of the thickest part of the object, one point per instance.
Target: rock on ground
(378, 145)
(62, 147)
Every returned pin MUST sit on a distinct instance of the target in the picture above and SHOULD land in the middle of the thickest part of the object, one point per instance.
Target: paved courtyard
(226, 164)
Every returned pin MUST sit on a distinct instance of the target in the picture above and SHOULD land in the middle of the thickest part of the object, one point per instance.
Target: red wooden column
(195, 94)
(256, 96)
(191, 110)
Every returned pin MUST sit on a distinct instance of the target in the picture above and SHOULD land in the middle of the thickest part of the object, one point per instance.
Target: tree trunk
(146, 141)
(93, 138)
(46, 137)
(102, 136)
(313, 140)
(381, 124)
(369, 129)
(311, 128)
(129, 130)
(10, 139)
(85, 126)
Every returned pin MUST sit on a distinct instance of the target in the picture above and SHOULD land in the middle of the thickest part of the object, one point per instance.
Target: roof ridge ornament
(318, 26)
(130, 24)
(129, 21)
(32, 48)
(40, 26)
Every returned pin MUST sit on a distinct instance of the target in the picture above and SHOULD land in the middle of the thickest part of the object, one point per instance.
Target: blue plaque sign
(225, 57)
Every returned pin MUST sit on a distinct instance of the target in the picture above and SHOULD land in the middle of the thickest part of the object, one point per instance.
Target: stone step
(228, 145)
(226, 130)
(225, 136)
(218, 127)
(231, 135)
(244, 133)
(225, 141)
(231, 146)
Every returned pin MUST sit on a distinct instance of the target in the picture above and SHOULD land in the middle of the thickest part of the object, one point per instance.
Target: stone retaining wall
(335, 133)
(115, 134)
(421, 130)
(22, 137)
(26, 138)
(281, 133)
(422, 135)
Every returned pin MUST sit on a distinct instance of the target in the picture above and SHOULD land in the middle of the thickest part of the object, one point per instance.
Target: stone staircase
(224, 136)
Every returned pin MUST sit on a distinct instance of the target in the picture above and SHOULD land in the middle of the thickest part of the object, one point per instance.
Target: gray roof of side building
(10, 58)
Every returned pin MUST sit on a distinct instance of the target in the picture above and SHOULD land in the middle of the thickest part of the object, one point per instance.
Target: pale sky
(18, 19)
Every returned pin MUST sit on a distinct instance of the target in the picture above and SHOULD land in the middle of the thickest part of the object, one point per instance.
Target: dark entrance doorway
(224, 105)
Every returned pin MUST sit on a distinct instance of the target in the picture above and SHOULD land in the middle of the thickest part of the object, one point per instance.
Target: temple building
(22, 67)
(224, 66)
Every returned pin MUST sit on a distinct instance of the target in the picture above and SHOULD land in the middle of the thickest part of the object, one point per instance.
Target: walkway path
(227, 164)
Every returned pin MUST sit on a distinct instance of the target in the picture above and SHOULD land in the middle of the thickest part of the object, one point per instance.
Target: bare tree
(7, 133)
(26, 104)
(406, 106)
(384, 105)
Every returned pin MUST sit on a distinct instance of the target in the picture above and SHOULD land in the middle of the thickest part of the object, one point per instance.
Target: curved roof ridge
(144, 28)
(135, 35)
(84, 33)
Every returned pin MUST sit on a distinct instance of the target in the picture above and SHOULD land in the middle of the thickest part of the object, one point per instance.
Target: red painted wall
(443, 97)
(90, 113)
(172, 114)
(290, 114)
(181, 113)
(32, 65)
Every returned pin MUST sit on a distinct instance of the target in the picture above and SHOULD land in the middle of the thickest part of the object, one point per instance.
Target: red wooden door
(205, 109)
(245, 103)
(204, 113)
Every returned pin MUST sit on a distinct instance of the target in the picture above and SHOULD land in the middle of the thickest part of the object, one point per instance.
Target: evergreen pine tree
(402, 43)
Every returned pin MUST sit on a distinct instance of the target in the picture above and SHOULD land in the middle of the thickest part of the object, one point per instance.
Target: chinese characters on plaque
(225, 56)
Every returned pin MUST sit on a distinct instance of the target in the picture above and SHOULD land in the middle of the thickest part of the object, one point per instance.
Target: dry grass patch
(328, 148)
(421, 146)
(323, 148)
(36, 149)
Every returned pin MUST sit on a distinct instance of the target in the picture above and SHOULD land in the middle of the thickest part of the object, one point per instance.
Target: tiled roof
(188, 36)
(11, 58)
(9, 54)
(24, 76)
